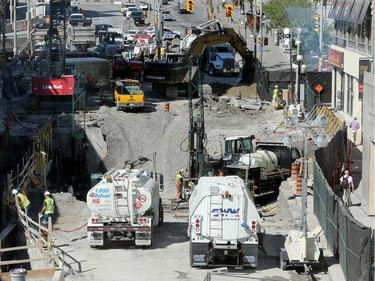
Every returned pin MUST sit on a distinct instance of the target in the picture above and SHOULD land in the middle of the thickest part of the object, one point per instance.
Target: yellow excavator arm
(212, 33)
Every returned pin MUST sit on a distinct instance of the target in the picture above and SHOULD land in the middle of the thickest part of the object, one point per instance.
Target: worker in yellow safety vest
(48, 207)
(179, 183)
(276, 97)
(23, 202)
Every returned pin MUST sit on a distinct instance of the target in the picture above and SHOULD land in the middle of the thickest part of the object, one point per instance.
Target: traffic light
(265, 41)
(189, 5)
(229, 10)
(317, 23)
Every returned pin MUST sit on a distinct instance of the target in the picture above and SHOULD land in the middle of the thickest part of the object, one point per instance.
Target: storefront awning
(346, 10)
(332, 9)
(338, 10)
(356, 10)
(363, 13)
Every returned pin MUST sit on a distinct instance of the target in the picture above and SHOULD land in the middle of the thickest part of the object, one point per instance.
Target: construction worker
(48, 207)
(276, 97)
(179, 184)
(90, 84)
(23, 202)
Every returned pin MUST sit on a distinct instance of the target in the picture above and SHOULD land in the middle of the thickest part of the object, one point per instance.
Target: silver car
(167, 15)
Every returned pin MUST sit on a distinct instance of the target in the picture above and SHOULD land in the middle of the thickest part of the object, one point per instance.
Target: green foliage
(294, 14)
(287, 13)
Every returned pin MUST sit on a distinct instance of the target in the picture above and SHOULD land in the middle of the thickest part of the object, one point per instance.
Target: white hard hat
(47, 193)
(14, 191)
(182, 171)
(276, 86)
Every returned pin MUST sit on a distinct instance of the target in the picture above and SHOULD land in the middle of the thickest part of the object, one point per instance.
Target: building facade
(352, 58)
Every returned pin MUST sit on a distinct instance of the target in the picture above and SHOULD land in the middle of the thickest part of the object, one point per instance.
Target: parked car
(102, 27)
(168, 34)
(128, 12)
(74, 19)
(138, 17)
(167, 15)
(125, 7)
(144, 6)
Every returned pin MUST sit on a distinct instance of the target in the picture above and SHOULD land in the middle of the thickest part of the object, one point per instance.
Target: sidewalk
(357, 209)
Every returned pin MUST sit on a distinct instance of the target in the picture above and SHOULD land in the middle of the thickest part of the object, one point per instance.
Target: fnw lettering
(224, 212)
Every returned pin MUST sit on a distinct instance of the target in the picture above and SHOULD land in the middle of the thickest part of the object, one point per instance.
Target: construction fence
(351, 242)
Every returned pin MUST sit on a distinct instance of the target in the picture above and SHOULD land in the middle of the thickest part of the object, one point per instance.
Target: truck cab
(220, 59)
(128, 94)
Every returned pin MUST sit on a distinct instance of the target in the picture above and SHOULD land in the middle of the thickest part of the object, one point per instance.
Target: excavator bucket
(248, 72)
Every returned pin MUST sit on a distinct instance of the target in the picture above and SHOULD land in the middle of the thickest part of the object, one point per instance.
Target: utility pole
(255, 49)
(321, 37)
(14, 28)
(3, 57)
(261, 32)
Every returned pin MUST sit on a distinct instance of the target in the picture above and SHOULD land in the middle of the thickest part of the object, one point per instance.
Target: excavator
(177, 70)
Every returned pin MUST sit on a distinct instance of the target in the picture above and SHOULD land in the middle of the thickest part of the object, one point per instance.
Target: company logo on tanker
(228, 213)
(100, 193)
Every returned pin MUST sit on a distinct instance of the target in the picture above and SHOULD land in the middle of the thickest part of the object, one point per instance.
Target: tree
(294, 14)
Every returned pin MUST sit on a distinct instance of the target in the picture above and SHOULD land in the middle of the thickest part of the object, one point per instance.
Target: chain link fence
(351, 242)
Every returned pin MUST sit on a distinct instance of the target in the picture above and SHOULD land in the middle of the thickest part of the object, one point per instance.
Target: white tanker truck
(125, 206)
(224, 225)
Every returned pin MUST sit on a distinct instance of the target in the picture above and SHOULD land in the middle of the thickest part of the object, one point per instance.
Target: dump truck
(220, 59)
(128, 94)
(100, 68)
(224, 225)
(125, 206)
(81, 35)
(266, 164)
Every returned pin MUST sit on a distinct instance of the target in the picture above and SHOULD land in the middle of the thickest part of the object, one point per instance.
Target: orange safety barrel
(299, 185)
(166, 107)
(294, 171)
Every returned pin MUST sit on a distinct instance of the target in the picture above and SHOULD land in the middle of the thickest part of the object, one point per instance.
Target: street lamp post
(301, 68)
(288, 35)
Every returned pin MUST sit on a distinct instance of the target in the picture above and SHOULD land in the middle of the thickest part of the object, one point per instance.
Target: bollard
(166, 107)
(299, 185)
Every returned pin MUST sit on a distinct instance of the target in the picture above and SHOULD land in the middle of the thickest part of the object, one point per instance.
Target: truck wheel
(135, 76)
(161, 213)
(211, 70)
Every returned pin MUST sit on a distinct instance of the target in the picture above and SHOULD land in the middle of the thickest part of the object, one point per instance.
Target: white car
(167, 15)
(144, 6)
(129, 10)
(168, 34)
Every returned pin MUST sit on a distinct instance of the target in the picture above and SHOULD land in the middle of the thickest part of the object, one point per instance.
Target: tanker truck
(125, 206)
(224, 225)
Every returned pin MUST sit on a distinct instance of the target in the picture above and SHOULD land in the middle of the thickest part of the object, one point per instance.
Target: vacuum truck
(125, 206)
(224, 225)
